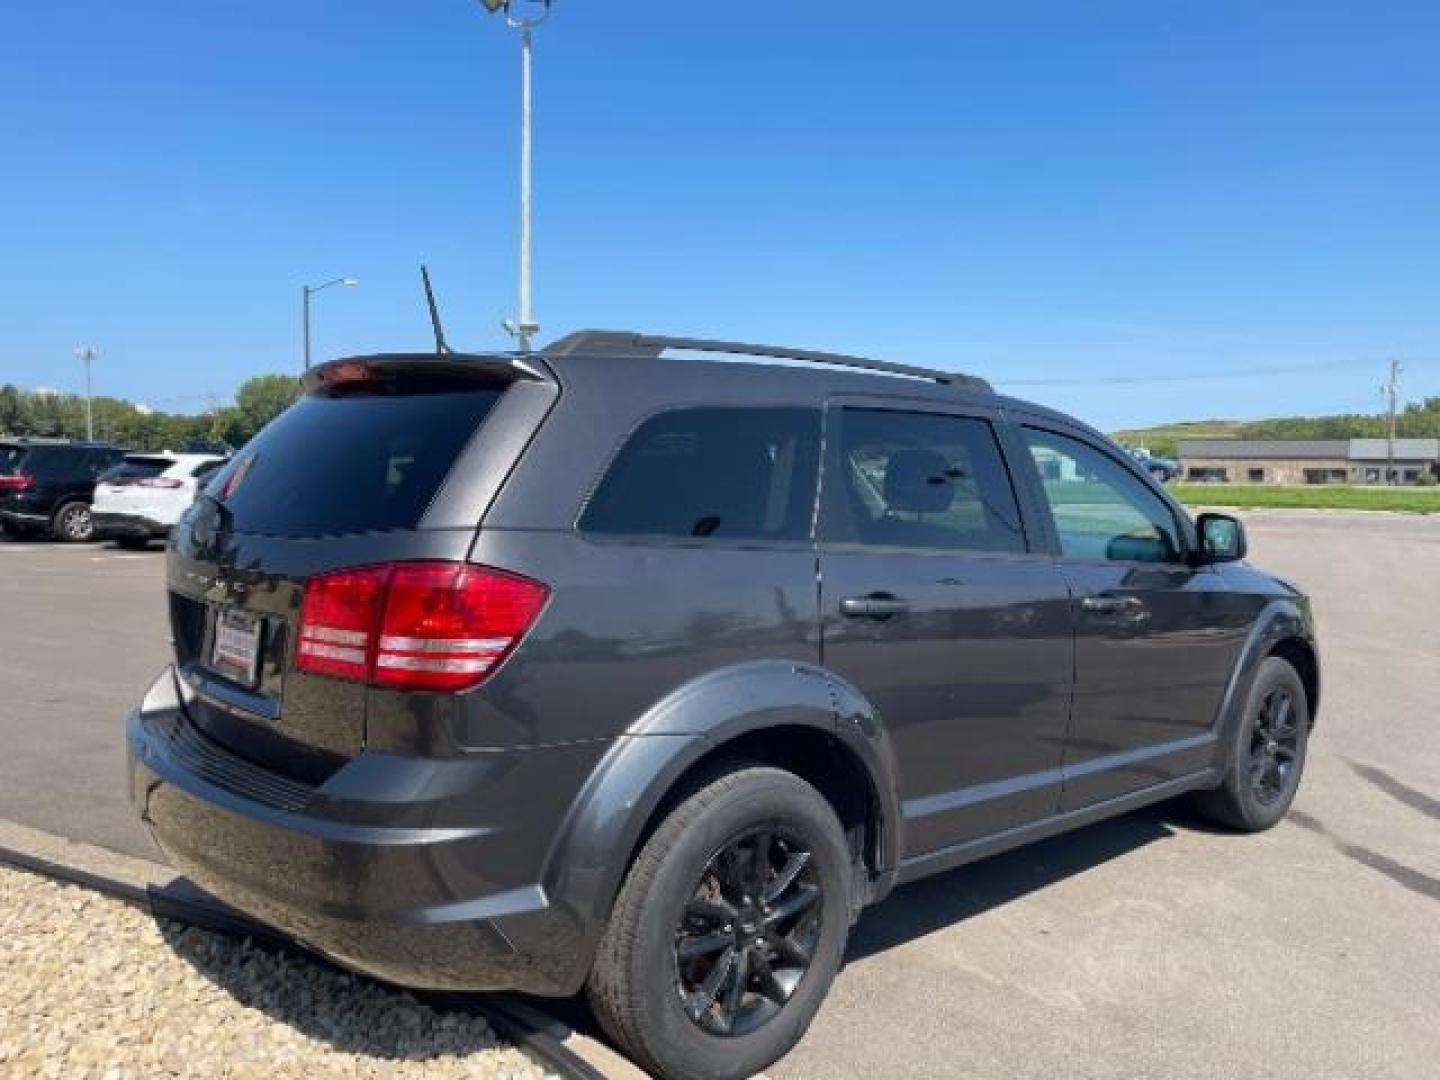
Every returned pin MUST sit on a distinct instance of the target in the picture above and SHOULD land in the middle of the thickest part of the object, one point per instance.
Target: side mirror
(1222, 538)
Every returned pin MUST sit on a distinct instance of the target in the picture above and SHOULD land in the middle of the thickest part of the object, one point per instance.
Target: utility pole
(1391, 389)
(86, 355)
(524, 327)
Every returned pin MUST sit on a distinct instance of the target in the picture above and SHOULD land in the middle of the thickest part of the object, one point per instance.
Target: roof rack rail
(627, 343)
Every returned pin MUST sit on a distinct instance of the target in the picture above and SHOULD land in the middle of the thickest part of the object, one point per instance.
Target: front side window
(1101, 510)
(923, 480)
(737, 474)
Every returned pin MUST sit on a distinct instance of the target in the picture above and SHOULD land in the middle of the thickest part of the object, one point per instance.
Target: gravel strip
(90, 987)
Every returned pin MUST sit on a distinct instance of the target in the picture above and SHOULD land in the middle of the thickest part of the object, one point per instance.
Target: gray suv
(600, 668)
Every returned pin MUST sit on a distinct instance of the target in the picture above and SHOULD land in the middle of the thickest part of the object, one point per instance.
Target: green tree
(257, 402)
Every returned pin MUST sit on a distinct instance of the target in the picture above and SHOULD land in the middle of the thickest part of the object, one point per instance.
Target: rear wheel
(728, 929)
(73, 524)
(1267, 753)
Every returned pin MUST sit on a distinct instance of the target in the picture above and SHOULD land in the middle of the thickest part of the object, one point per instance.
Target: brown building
(1306, 461)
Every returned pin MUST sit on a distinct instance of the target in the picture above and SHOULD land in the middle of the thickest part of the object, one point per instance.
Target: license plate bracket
(236, 649)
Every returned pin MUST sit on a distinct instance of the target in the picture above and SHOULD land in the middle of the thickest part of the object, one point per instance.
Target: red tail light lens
(417, 626)
(15, 483)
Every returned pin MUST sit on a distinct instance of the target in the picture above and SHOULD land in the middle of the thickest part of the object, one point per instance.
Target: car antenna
(440, 346)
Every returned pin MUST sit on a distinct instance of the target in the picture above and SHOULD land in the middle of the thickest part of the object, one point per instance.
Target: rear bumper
(111, 524)
(362, 869)
(22, 517)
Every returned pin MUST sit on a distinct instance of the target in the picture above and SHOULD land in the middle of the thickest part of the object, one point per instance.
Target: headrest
(919, 482)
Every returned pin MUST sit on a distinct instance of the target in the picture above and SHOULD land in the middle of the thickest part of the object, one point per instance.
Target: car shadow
(935, 903)
(945, 900)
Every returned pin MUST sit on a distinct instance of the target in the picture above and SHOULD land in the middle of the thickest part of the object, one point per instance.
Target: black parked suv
(594, 668)
(46, 487)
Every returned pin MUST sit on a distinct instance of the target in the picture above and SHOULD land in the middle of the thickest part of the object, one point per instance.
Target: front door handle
(1112, 605)
(874, 606)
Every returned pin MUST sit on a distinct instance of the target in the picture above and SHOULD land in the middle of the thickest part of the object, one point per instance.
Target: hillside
(1419, 419)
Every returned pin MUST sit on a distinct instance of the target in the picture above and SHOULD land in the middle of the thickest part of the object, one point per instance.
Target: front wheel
(728, 929)
(1267, 753)
(73, 523)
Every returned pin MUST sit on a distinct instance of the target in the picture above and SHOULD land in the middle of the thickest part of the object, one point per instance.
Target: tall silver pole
(86, 353)
(305, 321)
(526, 326)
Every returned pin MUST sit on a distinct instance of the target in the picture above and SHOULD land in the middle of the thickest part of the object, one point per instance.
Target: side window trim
(1184, 528)
(828, 510)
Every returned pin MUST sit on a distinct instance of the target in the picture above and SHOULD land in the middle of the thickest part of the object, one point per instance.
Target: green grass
(1317, 496)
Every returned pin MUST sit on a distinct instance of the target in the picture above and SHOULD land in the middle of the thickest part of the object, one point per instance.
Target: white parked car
(141, 499)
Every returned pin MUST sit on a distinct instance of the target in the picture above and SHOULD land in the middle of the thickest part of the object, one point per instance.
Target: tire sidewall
(1274, 672)
(792, 809)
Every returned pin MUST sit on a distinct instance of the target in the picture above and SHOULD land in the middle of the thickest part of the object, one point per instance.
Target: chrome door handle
(1112, 605)
(876, 606)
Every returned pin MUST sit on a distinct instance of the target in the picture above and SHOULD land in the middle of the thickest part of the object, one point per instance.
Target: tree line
(123, 423)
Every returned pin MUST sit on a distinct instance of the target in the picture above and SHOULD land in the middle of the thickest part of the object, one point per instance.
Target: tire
(72, 523)
(652, 1002)
(1266, 755)
(133, 543)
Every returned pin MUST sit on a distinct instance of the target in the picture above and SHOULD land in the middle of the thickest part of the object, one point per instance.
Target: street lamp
(306, 292)
(523, 327)
(86, 355)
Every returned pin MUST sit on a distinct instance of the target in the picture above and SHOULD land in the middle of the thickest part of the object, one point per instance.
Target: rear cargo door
(343, 479)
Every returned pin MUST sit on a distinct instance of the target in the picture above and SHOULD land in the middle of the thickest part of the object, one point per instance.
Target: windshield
(335, 465)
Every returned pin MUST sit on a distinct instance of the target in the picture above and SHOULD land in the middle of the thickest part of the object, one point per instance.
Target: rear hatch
(343, 479)
(126, 488)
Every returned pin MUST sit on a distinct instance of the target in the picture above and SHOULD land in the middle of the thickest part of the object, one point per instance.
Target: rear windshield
(10, 459)
(55, 462)
(136, 468)
(335, 465)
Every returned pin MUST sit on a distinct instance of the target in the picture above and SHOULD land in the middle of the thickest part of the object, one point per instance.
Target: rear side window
(923, 480)
(743, 474)
(360, 463)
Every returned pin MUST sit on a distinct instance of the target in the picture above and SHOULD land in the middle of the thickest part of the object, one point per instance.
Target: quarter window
(923, 480)
(740, 474)
(1101, 510)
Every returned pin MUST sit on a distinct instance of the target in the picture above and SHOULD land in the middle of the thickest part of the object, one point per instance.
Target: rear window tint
(724, 473)
(54, 462)
(136, 468)
(334, 465)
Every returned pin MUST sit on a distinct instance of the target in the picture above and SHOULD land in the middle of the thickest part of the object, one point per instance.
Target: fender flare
(1280, 620)
(586, 864)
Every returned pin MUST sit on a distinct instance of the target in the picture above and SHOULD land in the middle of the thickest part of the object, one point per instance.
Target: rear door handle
(1112, 605)
(875, 606)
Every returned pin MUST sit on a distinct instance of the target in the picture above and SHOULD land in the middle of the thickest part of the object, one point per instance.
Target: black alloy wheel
(1274, 746)
(748, 933)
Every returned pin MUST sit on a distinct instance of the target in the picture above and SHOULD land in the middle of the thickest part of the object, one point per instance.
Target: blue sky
(1065, 191)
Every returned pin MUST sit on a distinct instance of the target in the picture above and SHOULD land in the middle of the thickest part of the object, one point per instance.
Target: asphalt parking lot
(1151, 946)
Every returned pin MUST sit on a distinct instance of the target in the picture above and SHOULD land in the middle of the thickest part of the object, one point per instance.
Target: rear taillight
(16, 483)
(417, 626)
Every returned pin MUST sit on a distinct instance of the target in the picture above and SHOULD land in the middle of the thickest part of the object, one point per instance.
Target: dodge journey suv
(598, 668)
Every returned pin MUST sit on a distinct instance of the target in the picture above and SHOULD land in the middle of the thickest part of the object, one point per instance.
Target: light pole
(306, 292)
(86, 355)
(523, 327)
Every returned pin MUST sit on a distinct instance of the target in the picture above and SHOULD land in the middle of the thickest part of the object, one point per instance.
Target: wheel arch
(1283, 628)
(781, 713)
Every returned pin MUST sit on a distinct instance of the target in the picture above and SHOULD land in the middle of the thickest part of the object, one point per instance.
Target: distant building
(1306, 461)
